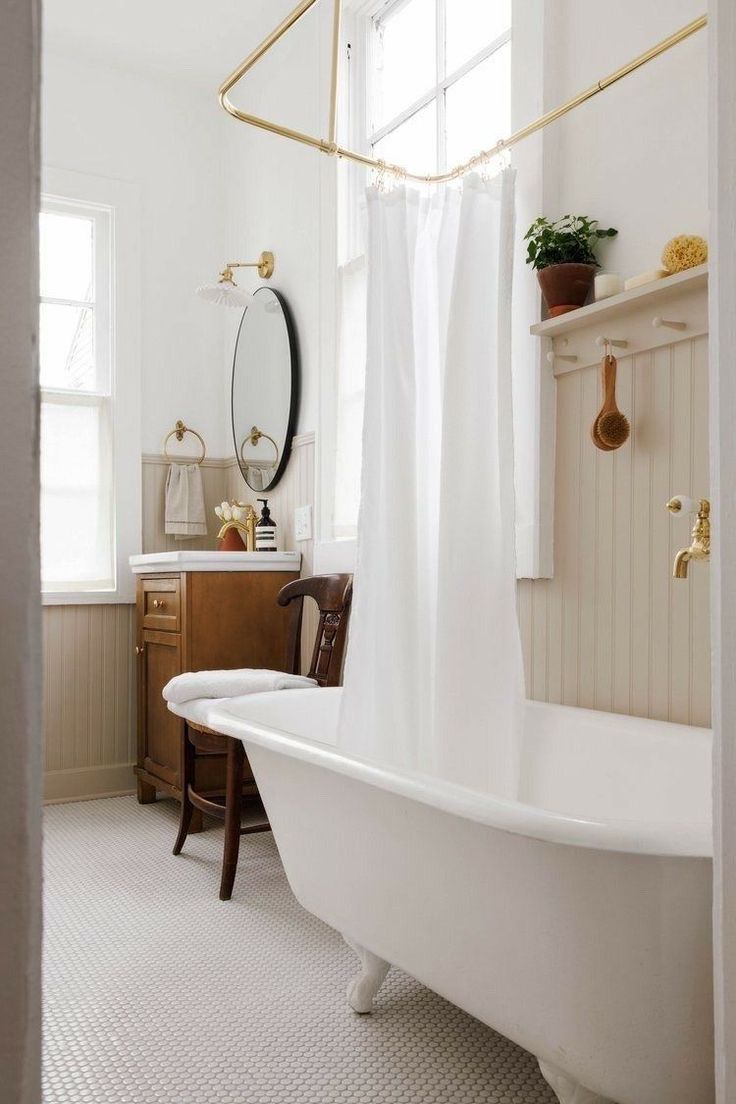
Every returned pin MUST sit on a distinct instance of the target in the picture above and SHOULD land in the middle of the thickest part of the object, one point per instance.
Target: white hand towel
(258, 478)
(184, 514)
(230, 684)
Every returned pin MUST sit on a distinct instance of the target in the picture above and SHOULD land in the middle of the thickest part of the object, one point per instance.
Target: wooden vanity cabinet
(198, 621)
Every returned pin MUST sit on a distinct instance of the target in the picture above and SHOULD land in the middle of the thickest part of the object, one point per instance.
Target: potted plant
(563, 254)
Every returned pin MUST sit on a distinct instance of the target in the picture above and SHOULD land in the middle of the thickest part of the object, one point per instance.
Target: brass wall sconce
(226, 291)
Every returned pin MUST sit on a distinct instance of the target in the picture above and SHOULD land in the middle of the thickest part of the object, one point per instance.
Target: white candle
(606, 284)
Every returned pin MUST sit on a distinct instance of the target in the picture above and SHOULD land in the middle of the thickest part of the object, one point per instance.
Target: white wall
(166, 137)
(635, 156)
(20, 661)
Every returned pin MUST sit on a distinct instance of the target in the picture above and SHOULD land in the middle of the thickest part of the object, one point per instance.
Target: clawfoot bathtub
(575, 921)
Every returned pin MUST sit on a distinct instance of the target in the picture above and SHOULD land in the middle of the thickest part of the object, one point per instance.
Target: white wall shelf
(629, 317)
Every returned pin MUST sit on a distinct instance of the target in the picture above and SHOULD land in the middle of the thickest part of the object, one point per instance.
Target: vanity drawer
(162, 604)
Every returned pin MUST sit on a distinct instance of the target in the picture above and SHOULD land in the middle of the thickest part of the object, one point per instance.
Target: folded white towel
(230, 684)
(184, 514)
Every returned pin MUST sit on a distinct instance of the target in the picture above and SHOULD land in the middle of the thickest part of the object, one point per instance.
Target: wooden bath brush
(611, 428)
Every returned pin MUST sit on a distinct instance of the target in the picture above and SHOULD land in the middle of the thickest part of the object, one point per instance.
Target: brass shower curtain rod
(330, 145)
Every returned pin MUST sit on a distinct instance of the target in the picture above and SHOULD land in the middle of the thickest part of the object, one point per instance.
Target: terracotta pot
(565, 287)
(231, 542)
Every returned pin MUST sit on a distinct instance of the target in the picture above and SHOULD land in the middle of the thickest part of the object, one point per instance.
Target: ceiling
(198, 39)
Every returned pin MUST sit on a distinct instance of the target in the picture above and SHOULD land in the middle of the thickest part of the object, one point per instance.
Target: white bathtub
(576, 922)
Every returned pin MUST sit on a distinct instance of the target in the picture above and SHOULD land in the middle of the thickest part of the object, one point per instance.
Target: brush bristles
(613, 429)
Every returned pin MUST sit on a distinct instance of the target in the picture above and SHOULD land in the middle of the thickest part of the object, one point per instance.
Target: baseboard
(85, 783)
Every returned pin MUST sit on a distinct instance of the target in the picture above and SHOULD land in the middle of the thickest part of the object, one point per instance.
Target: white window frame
(118, 332)
(380, 10)
(527, 93)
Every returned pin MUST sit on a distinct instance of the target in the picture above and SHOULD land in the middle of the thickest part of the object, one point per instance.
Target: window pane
(66, 256)
(405, 59)
(76, 520)
(471, 25)
(413, 145)
(478, 108)
(67, 347)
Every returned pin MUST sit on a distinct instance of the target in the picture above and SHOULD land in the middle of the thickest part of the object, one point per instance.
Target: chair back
(332, 594)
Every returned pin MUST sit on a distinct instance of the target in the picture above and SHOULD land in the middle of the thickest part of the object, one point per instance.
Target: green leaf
(569, 239)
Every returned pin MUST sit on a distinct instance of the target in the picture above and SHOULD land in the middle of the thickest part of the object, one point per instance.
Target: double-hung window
(427, 85)
(439, 80)
(90, 520)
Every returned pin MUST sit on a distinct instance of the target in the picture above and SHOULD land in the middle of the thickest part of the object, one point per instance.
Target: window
(439, 77)
(87, 529)
(76, 401)
(427, 85)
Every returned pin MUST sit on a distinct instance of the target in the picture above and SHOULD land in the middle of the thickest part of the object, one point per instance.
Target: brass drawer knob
(159, 603)
(138, 649)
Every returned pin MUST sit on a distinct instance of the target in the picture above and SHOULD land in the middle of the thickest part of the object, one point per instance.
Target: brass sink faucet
(251, 518)
(700, 546)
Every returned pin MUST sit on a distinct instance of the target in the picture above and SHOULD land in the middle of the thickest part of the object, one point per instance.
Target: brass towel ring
(253, 438)
(178, 431)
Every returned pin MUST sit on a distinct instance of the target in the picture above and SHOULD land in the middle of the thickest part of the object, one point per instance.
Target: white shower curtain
(434, 675)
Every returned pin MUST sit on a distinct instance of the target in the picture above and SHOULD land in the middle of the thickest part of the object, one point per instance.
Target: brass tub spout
(681, 561)
(700, 546)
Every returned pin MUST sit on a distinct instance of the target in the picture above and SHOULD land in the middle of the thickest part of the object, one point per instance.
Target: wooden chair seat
(239, 804)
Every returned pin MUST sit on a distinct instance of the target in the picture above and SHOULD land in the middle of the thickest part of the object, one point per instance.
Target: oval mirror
(265, 389)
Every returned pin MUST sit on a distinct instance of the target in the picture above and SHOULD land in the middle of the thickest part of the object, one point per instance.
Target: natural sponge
(684, 251)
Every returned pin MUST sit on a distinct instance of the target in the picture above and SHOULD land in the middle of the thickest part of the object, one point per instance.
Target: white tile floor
(157, 991)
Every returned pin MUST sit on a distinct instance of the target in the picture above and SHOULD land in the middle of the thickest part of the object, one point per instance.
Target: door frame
(20, 600)
(722, 327)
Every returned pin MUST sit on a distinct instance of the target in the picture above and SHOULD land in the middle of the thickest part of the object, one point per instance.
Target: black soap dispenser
(265, 530)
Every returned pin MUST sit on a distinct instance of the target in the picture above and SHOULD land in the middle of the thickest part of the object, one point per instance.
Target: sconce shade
(224, 294)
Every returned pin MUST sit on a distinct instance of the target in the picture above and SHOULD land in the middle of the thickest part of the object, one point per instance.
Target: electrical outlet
(303, 523)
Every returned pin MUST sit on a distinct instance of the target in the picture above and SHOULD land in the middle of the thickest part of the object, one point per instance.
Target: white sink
(215, 561)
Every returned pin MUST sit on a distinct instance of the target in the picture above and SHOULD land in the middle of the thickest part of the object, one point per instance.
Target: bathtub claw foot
(567, 1090)
(363, 989)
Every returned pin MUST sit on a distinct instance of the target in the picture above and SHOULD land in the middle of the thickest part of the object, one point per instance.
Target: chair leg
(233, 802)
(187, 777)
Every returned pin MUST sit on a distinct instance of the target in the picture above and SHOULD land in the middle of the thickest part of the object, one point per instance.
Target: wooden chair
(239, 806)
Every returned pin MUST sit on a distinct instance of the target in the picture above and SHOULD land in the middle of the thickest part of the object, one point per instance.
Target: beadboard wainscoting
(88, 700)
(613, 630)
(89, 668)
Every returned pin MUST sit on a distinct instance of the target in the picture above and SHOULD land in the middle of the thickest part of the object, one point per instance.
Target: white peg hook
(670, 323)
(552, 357)
(613, 342)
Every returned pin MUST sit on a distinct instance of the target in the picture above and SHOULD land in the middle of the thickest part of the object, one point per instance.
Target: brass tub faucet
(700, 545)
